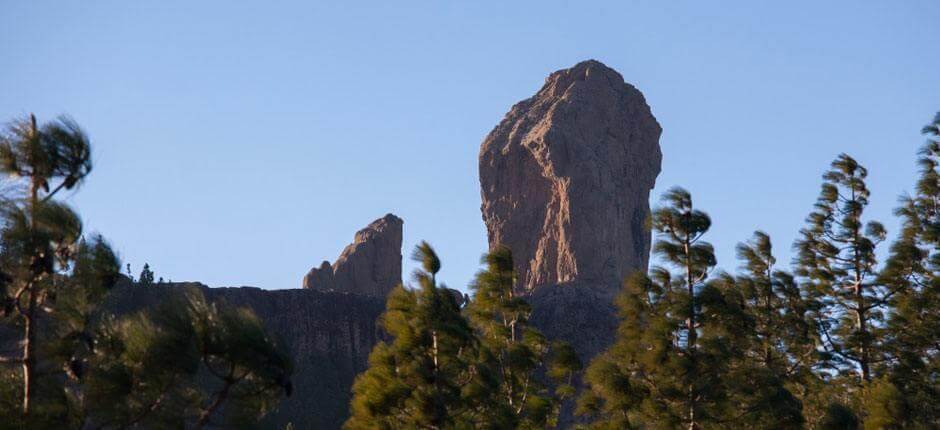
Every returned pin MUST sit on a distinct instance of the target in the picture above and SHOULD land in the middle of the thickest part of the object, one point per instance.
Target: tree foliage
(908, 391)
(679, 358)
(40, 236)
(511, 393)
(416, 379)
(837, 263)
(146, 276)
(78, 366)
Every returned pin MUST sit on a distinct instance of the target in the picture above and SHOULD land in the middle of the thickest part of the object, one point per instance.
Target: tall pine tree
(512, 351)
(837, 265)
(40, 235)
(781, 351)
(909, 394)
(417, 379)
(674, 361)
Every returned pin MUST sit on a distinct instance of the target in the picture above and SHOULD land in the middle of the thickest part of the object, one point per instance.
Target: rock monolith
(566, 178)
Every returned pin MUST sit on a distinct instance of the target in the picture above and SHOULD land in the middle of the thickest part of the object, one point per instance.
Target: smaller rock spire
(369, 266)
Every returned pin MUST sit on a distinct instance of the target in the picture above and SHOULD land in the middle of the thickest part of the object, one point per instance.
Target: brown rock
(566, 178)
(370, 266)
(320, 278)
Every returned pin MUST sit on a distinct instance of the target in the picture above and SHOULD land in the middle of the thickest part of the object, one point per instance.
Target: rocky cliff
(370, 265)
(565, 183)
(329, 327)
(565, 180)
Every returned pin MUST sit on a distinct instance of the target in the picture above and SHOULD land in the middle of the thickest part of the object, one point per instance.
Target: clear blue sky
(241, 143)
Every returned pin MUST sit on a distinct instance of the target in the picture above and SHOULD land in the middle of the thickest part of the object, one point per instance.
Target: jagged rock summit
(370, 265)
(566, 178)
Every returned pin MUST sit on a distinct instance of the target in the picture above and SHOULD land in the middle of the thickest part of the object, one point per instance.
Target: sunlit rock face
(565, 181)
(370, 265)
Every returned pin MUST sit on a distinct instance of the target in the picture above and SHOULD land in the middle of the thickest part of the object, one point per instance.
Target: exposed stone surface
(370, 266)
(584, 317)
(565, 181)
(320, 278)
(566, 178)
(329, 336)
(565, 184)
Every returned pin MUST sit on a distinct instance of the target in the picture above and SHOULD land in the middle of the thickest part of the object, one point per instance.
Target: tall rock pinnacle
(566, 178)
(370, 266)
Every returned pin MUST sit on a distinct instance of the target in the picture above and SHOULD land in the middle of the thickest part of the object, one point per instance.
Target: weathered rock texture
(566, 178)
(565, 181)
(370, 266)
(328, 334)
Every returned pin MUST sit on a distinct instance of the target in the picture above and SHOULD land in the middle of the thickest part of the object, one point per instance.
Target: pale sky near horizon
(241, 143)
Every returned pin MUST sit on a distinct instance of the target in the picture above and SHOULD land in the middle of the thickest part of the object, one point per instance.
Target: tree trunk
(29, 329)
(862, 322)
(219, 398)
(29, 345)
(861, 319)
(692, 339)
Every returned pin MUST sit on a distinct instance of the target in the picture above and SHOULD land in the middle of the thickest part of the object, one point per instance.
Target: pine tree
(74, 329)
(512, 351)
(39, 234)
(68, 338)
(775, 302)
(251, 371)
(417, 379)
(782, 352)
(152, 369)
(144, 368)
(676, 356)
(785, 344)
(909, 393)
(80, 366)
(146, 276)
(837, 263)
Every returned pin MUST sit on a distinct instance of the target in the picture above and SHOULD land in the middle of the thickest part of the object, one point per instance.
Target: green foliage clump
(680, 355)
(80, 367)
(188, 361)
(416, 380)
(146, 275)
(837, 263)
(40, 244)
(511, 351)
(908, 391)
(453, 368)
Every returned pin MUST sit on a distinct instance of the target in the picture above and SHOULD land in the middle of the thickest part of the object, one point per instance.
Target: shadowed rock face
(566, 178)
(370, 266)
(565, 181)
